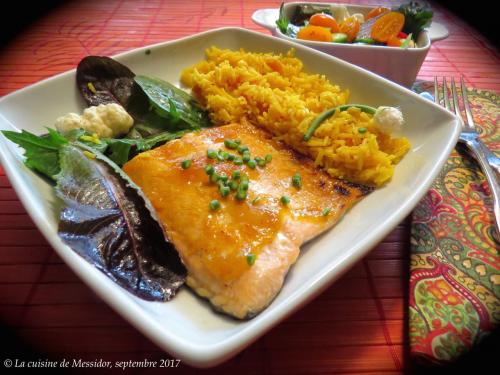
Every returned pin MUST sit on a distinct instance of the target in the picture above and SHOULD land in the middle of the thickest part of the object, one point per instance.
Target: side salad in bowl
(390, 42)
(396, 27)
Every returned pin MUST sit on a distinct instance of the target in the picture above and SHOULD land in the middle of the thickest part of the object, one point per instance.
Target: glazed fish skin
(215, 245)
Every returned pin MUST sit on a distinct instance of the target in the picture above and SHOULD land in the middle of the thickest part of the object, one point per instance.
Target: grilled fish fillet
(218, 246)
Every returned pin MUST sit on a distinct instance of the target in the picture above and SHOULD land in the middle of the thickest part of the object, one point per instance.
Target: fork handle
(493, 160)
(477, 147)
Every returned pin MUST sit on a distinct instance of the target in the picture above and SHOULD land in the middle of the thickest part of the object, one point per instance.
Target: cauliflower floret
(113, 116)
(68, 122)
(105, 120)
(389, 119)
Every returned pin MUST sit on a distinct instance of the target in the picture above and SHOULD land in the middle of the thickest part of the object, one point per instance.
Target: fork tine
(436, 90)
(456, 105)
(445, 95)
(468, 112)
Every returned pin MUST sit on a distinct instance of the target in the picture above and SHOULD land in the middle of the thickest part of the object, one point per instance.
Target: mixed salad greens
(105, 217)
(161, 112)
(397, 27)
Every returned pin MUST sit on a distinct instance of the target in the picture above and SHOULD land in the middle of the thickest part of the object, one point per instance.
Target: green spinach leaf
(123, 149)
(174, 104)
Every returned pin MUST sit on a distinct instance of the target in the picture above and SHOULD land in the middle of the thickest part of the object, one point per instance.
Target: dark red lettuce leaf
(106, 220)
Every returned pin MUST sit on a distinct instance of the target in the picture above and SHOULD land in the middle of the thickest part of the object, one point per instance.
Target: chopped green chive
(224, 190)
(242, 149)
(223, 178)
(246, 157)
(251, 164)
(260, 162)
(211, 154)
(214, 205)
(268, 158)
(186, 164)
(251, 259)
(230, 144)
(233, 185)
(361, 130)
(326, 211)
(241, 195)
(236, 174)
(209, 169)
(285, 200)
(297, 180)
(238, 161)
(214, 177)
(231, 157)
(244, 185)
(222, 155)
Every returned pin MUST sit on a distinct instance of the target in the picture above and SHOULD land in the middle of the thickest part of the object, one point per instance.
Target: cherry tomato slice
(325, 20)
(388, 25)
(394, 41)
(350, 27)
(375, 12)
(316, 33)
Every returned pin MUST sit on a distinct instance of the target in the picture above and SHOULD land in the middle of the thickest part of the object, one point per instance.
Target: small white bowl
(397, 64)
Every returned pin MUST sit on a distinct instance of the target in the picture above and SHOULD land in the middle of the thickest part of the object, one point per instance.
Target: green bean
(315, 124)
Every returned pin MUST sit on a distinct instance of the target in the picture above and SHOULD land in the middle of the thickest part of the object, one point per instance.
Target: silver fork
(470, 138)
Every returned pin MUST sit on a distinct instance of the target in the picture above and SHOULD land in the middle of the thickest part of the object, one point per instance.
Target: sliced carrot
(325, 20)
(375, 12)
(350, 27)
(316, 33)
(388, 25)
(394, 41)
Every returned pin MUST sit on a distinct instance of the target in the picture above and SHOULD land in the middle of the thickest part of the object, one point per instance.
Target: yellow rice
(273, 92)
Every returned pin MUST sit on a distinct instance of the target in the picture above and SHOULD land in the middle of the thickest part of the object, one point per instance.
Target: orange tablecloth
(358, 325)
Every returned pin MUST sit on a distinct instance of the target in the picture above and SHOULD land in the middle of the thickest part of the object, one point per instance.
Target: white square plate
(187, 327)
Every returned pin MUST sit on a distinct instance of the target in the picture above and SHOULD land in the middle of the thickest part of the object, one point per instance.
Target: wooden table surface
(357, 326)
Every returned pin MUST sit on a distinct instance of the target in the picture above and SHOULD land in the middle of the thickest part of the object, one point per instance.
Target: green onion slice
(251, 259)
(214, 205)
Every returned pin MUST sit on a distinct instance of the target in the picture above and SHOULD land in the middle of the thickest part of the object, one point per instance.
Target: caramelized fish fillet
(217, 246)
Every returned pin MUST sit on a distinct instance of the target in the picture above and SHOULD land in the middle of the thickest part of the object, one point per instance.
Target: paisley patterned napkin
(454, 291)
